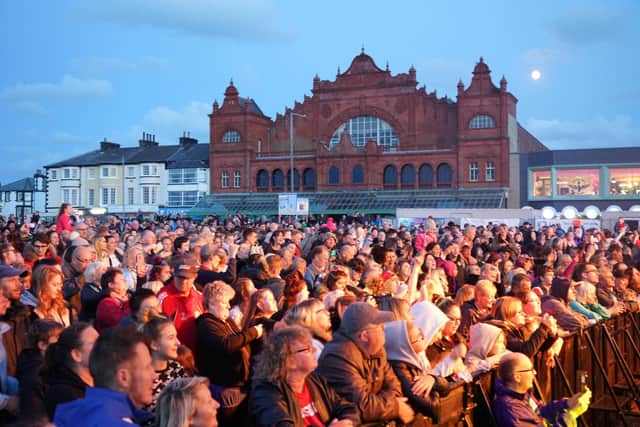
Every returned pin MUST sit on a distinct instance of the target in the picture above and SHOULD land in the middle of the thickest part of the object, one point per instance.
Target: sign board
(302, 206)
(287, 204)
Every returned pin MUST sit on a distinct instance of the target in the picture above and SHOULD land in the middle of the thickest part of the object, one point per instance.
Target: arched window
(309, 179)
(445, 175)
(231, 136)
(236, 179)
(361, 129)
(357, 175)
(296, 179)
(390, 176)
(277, 179)
(490, 171)
(482, 121)
(408, 176)
(425, 176)
(225, 179)
(262, 179)
(334, 175)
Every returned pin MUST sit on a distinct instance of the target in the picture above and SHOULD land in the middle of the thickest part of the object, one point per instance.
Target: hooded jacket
(483, 336)
(407, 365)
(556, 305)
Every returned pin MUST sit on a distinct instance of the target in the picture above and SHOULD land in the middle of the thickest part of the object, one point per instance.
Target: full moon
(536, 74)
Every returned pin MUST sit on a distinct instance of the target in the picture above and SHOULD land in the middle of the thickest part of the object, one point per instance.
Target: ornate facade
(371, 130)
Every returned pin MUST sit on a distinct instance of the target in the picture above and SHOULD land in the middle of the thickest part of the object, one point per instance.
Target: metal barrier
(605, 357)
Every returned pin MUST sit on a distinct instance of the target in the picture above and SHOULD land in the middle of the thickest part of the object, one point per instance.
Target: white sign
(287, 204)
(302, 206)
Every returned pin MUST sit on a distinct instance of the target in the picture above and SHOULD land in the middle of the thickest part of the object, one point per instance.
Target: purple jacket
(512, 409)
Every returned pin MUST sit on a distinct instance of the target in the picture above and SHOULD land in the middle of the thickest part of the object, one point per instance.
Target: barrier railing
(605, 357)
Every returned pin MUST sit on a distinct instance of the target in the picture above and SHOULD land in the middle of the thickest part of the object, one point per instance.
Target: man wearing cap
(355, 364)
(182, 302)
(18, 316)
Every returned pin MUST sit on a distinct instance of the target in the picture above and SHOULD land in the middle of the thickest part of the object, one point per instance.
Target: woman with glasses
(285, 391)
(440, 349)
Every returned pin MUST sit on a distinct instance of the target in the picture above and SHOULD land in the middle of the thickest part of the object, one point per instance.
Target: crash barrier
(604, 357)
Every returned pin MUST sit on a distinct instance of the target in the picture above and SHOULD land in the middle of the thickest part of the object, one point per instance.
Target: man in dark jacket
(355, 365)
(515, 406)
(18, 316)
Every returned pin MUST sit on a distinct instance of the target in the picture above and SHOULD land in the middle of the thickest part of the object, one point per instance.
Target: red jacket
(110, 312)
(184, 311)
(63, 223)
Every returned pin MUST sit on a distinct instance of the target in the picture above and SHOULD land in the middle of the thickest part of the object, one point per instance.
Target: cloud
(599, 132)
(69, 88)
(29, 107)
(106, 64)
(585, 25)
(246, 20)
(168, 124)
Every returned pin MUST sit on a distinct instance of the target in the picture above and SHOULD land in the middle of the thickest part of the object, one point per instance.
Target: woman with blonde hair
(102, 253)
(187, 402)
(313, 316)
(47, 288)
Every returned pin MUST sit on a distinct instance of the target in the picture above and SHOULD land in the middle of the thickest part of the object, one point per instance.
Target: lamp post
(291, 114)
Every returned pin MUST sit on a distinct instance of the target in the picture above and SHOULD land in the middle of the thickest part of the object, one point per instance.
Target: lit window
(482, 121)
(362, 129)
(490, 171)
(473, 171)
(540, 183)
(231, 136)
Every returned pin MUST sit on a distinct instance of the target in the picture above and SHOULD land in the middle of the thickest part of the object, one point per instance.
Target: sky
(75, 72)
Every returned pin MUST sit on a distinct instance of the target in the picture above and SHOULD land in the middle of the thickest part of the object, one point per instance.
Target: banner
(287, 204)
(302, 206)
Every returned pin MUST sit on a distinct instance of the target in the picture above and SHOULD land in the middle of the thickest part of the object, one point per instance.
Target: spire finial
(387, 65)
(481, 59)
(362, 50)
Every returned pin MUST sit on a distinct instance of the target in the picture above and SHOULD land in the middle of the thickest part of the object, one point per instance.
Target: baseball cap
(9, 271)
(361, 314)
(184, 269)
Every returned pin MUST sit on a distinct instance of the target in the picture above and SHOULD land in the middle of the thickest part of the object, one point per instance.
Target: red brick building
(371, 130)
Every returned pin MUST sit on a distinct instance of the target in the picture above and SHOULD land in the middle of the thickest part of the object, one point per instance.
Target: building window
(357, 175)
(236, 179)
(27, 196)
(309, 179)
(131, 196)
(624, 181)
(390, 176)
(149, 170)
(1, 197)
(577, 182)
(541, 183)
(19, 196)
(91, 197)
(262, 179)
(91, 173)
(7, 196)
(444, 175)
(231, 136)
(107, 172)
(334, 175)
(482, 121)
(473, 172)
(182, 198)
(408, 176)
(108, 196)
(54, 174)
(70, 173)
(183, 176)
(131, 171)
(149, 195)
(425, 176)
(70, 195)
(296, 180)
(490, 171)
(362, 129)
(277, 179)
(225, 179)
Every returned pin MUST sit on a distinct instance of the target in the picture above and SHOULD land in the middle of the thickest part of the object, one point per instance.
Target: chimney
(186, 139)
(148, 140)
(106, 145)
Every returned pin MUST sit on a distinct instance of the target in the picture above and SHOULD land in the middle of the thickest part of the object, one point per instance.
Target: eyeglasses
(532, 370)
(302, 350)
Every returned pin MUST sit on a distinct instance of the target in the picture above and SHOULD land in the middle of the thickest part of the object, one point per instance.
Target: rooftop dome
(231, 90)
(362, 64)
(481, 68)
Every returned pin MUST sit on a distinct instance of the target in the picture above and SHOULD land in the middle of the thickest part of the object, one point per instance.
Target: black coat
(62, 385)
(208, 276)
(223, 352)
(31, 385)
(275, 404)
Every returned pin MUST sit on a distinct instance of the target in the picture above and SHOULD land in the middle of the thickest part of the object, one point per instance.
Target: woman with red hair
(46, 286)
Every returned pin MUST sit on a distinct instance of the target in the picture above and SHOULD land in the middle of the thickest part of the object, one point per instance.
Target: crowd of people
(330, 322)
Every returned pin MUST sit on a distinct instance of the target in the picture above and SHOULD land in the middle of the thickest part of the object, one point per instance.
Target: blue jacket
(512, 409)
(100, 407)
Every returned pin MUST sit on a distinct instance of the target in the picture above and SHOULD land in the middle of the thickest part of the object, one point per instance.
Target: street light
(291, 114)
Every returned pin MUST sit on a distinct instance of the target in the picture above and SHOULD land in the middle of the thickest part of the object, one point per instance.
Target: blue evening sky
(74, 72)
